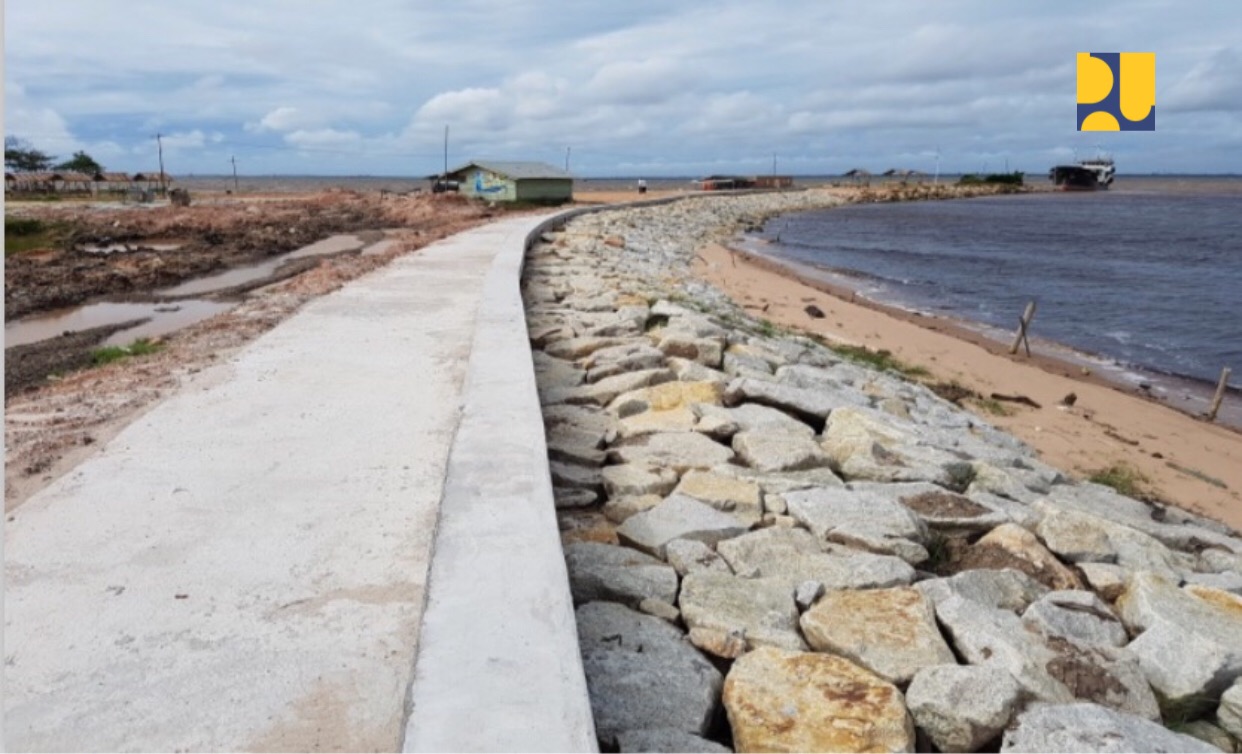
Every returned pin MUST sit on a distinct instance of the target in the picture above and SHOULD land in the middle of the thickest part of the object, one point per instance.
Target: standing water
(1150, 280)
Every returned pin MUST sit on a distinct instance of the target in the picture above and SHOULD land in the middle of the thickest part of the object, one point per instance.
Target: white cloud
(643, 83)
(322, 138)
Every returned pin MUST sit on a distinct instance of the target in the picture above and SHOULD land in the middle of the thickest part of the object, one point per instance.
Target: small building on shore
(504, 181)
(112, 183)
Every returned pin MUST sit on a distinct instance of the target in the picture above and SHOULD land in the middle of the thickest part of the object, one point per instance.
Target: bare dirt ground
(52, 424)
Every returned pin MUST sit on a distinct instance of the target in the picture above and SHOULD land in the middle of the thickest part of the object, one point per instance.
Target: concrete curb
(498, 665)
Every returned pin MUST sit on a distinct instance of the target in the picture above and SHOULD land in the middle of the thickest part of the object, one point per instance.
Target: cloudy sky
(630, 87)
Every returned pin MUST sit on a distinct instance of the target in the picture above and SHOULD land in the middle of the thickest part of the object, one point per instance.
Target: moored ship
(1094, 174)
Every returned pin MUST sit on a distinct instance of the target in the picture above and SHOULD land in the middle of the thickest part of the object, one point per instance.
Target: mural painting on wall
(488, 183)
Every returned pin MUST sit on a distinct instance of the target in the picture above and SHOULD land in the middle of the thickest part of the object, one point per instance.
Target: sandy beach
(1186, 461)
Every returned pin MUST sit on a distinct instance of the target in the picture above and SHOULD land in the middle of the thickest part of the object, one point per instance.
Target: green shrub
(109, 354)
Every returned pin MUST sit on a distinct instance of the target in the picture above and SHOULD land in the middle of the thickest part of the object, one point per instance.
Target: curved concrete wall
(498, 666)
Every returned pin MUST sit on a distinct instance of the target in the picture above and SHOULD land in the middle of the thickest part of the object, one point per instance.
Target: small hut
(153, 181)
(111, 183)
(505, 181)
(71, 182)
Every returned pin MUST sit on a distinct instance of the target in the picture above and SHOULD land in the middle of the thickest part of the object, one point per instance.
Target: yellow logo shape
(1116, 91)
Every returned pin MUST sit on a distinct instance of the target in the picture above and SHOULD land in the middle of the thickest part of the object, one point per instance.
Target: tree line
(22, 156)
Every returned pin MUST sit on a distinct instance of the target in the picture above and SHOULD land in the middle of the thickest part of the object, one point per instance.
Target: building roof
(70, 176)
(516, 170)
(116, 177)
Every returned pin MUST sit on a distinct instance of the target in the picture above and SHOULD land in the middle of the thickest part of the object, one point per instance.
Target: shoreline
(1184, 460)
(1164, 387)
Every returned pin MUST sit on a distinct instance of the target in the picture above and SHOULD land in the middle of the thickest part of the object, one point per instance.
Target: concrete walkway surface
(245, 567)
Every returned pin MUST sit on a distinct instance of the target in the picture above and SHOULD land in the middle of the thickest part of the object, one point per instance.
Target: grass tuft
(1123, 478)
(882, 360)
(23, 234)
(109, 354)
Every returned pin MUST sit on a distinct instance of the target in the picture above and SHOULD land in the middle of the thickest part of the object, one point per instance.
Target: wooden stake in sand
(1220, 393)
(1023, 323)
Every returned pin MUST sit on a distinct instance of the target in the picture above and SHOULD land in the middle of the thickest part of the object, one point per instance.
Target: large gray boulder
(869, 519)
(778, 451)
(1004, 589)
(962, 707)
(572, 349)
(601, 572)
(599, 424)
(687, 556)
(680, 451)
(795, 556)
(1189, 640)
(642, 673)
(739, 498)
(752, 417)
(1091, 727)
(1080, 616)
(1083, 537)
(865, 444)
(809, 405)
(629, 357)
(761, 610)
(1050, 669)
(637, 479)
(832, 383)
(667, 740)
(1229, 713)
(678, 517)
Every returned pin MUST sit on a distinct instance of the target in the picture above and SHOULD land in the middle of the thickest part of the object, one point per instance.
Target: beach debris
(1070, 399)
(814, 312)
(1022, 399)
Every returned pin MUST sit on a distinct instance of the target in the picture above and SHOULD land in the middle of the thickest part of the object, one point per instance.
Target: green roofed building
(494, 180)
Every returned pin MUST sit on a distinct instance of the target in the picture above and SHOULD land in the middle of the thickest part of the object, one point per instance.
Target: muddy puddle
(163, 319)
(251, 273)
(167, 317)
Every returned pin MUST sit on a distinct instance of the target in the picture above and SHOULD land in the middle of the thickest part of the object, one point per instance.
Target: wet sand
(1187, 462)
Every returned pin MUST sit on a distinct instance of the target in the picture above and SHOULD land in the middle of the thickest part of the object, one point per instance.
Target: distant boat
(1094, 174)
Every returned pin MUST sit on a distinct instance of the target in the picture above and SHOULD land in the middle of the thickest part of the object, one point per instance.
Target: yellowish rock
(780, 701)
(670, 395)
(891, 632)
(1033, 558)
(663, 408)
(740, 497)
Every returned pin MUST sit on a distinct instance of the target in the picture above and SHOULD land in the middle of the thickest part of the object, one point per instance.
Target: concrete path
(245, 567)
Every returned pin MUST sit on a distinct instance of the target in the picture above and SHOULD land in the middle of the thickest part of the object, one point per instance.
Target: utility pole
(774, 163)
(445, 175)
(234, 161)
(160, 145)
(567, 151)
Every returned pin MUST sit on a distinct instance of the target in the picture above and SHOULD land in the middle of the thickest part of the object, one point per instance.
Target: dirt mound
(208, 237)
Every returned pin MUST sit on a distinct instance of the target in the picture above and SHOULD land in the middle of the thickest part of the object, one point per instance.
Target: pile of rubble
(773, 548)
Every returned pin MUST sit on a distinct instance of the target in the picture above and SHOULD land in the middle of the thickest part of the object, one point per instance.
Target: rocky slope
(774, 548)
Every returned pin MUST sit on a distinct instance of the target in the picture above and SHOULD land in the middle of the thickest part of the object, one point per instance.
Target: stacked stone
(772, 548)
